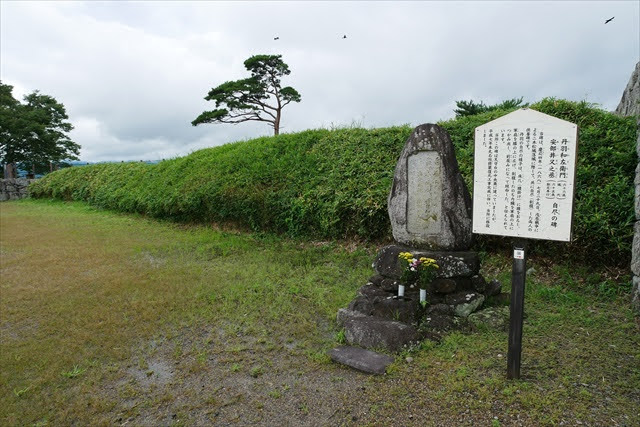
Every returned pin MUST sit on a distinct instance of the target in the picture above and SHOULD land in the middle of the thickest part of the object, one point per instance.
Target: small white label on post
(518, 254)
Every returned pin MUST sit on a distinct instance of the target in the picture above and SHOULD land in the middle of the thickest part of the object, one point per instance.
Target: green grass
(110, 319)
(334, 184)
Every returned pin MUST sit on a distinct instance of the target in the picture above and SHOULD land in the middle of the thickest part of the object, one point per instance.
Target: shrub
(329, 184)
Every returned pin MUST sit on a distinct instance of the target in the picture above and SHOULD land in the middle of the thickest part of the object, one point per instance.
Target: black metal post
(516, 308)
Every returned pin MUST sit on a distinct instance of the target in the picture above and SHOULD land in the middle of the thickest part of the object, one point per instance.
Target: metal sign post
(517, 308)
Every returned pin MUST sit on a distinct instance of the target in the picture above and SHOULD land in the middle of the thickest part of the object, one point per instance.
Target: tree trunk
(276, 123)
(9, 171)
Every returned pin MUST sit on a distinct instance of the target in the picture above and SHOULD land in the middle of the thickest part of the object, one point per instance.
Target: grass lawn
(116, 319)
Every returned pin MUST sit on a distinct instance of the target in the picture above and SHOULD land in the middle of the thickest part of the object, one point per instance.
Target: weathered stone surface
(429, 203)
(440, 309)
(452, 264)
(345, 314)
(638, 140)
(479, 284)
(465, 303)
(14, 188)
(464, 310)
(635, 248)
(444, 286)
(461, 297)
(373, 333)
(635, 295)
(637, 186)
(362, 305)
(361, 359)
(494, 287)
(492, 317)
(376, 279)
(371, 291)
(630, 102)
(439, 322)
(389, 285)
(401, 309)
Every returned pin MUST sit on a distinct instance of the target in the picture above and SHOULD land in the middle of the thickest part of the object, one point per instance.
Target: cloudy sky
(133, 75)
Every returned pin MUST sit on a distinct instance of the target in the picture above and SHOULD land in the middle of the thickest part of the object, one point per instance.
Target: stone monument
(430, 211)
(429, 204)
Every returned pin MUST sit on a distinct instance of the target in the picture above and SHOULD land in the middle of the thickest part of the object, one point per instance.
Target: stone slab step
(361, 359)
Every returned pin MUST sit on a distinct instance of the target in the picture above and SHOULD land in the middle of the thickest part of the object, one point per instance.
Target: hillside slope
(329, 184)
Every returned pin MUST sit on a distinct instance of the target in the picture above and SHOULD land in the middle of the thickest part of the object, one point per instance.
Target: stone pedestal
(430, 213)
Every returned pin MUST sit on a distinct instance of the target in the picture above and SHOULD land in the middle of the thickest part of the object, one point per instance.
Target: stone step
(377, 333)
(361, 359)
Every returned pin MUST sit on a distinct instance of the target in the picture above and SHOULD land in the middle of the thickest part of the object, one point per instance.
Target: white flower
(413, 269)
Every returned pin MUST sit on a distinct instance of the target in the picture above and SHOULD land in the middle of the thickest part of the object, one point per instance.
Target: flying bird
(276, 38)
(344, 37)
(609, 20)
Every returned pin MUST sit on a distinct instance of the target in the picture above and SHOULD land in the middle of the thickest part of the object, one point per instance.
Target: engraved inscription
(424, 193)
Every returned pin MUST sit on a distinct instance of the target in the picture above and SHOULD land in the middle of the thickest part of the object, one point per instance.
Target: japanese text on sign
(524, 176)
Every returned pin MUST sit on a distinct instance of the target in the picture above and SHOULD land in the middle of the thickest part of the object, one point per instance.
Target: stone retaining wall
(635, 256)
(14, 188)
(630, 106)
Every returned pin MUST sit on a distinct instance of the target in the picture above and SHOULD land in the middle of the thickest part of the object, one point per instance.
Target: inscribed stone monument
(429, 205)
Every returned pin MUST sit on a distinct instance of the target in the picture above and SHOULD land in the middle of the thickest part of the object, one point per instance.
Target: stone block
(465, 303)
(371, 291)
(362, 305)
(14, 188)
(429, 204)
(444, 286)
(493, 318)
(346, 314)
(376, 279)
(637, 193)
(376, 333)
(492, 288)
(361, 359)
(389, 285)
(440, 309)
(452, 264)
(404, 310)
(479, 284)
(635, 250)
(630, 102)
(439, 323)
(635, 295)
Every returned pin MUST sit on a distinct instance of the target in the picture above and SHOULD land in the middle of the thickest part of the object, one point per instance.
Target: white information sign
(523, 176)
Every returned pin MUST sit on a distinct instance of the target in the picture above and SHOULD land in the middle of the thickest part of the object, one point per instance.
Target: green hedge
(329, 184)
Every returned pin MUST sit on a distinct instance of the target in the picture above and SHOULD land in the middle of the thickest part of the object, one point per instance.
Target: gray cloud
(134, 75)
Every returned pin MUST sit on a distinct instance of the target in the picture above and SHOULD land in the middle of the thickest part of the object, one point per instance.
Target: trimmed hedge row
(330, 184)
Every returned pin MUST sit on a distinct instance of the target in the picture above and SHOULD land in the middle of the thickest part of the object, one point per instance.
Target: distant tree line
(33, 133)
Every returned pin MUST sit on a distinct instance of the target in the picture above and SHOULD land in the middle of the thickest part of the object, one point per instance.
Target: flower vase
(400, 291)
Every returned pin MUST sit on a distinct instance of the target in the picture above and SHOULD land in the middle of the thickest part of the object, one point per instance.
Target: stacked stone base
(378, 319)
